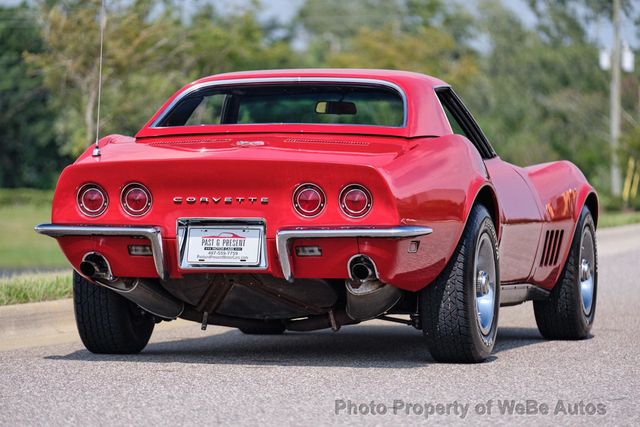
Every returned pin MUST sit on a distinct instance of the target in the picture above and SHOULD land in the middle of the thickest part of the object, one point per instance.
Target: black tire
(107, 322)
(448, 313)
(275, 328)
(562, 316)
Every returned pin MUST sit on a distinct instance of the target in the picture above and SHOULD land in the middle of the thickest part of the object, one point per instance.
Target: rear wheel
(107, 322)
(459, 311)
(569, 311)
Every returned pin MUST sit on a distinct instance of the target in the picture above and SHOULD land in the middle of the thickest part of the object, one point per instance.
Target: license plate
(224, 245)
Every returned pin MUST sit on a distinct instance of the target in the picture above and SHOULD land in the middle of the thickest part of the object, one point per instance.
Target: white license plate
(224, 245)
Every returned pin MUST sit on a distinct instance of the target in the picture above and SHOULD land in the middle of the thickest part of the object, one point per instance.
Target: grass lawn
(35, 287)
(614, 219)
(20, 246)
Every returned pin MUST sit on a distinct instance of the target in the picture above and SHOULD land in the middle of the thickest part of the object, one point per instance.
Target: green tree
(149, 52)
(216, 43)
(28, 150)
(431, 51)
(138, 49)
(429, 36)
(541, 96)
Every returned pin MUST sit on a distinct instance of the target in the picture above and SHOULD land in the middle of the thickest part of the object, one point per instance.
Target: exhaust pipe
(96, 266)
(368, 297)
(361, 268)
(149, 295)
(146, 293)
(88, 268)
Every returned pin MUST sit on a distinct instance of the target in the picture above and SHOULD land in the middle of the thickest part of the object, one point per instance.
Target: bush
(610, 203)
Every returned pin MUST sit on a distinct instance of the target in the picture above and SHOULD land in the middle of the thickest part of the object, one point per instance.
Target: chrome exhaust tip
(95, 266)
(362, 268)
(367, 296)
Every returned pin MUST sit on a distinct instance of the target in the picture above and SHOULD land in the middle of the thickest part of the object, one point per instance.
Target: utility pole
(616, 178)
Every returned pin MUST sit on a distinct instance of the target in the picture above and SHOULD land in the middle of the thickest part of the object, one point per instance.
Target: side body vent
(551, 250)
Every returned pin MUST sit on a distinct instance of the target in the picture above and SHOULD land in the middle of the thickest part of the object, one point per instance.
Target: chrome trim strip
(284, 236)
(247, 81)
(152, 233)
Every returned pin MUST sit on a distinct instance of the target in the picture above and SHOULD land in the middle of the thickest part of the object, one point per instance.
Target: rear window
(293, 103)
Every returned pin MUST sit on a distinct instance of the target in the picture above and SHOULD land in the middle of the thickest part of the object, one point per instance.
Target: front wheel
(569, 311)
(107, 322)
(459, 311)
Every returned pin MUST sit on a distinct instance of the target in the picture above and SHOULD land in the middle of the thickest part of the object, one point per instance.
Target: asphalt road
(220, 376)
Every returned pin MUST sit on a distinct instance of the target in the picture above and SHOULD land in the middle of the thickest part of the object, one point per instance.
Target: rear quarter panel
(435, 183)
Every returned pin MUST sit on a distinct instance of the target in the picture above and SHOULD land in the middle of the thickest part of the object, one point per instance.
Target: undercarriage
(260, 300)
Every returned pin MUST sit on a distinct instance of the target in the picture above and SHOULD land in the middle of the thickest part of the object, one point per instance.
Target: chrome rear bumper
(283, 237)
(151, 233)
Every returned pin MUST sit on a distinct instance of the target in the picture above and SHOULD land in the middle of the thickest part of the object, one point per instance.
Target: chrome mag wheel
(586, 271)
(485, 277)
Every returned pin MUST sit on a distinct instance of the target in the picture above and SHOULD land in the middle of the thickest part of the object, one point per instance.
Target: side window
(455, 126)
(462, 123)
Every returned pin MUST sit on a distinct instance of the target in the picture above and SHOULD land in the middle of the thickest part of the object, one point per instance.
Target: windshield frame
(279, 80)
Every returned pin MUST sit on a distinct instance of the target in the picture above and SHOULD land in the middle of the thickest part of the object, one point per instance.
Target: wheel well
(487, 198)
(592, 203)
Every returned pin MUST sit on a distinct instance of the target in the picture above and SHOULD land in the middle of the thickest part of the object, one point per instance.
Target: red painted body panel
(562, 189)
(520, 221)
(420, 174)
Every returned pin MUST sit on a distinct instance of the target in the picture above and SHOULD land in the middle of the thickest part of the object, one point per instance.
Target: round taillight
(92, 200)
(135, 199)
(309, 200)
(355, 201)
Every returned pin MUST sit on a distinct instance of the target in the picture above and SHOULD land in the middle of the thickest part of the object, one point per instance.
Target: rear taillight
(355, 201)
(135, 199)
(309, 200)
(92, 200)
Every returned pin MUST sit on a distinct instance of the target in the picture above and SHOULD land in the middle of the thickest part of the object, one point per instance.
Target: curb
(37, 324)
(41, 324)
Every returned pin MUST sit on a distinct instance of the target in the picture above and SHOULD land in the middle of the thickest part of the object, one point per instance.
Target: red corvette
(308, 199)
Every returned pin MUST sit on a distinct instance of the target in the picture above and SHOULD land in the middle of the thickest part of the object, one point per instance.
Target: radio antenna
(103, 24)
